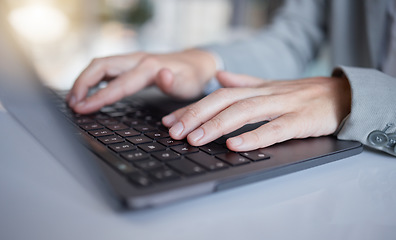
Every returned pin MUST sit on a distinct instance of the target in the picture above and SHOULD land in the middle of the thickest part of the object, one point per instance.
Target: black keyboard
(131, 138)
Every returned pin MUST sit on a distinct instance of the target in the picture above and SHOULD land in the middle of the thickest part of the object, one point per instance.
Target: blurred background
(62, 36)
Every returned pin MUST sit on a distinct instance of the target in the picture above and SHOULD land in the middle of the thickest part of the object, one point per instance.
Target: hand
(181, 75)
(296, 109)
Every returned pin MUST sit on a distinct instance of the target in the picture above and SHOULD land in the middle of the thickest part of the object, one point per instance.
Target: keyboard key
(118, 126)
(141, 113)
(111, 139)
(157, 134)
(101, 132)
(100, 116)
(144, 128)
(132, 122)
(91, 126)
(170, 142)
(120, 106)
(166, 155)
(155, 122)
(83, 120)
(122, 147)
(116, 114)
(233, 158)
(164, 174)
(139, 139)
(221, 140)
(140, 179)
(148, 164)
(108, 109)
(207, 161)
(256, 155)
(130, 112)
(152, 147)
(112, 159)
(128, 133)
(214, 148)
(163, 128)
(149, 118)
(186, 167)
(77, 115)
(135, 155)
(108, 121)
(185, 149)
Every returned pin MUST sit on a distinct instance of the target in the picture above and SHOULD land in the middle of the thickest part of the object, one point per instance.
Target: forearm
(372, 108)
(282, 49)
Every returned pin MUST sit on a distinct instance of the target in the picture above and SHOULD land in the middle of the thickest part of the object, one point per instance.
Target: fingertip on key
(235, 142)
(169, 120)
(176, 130)
(72, 101)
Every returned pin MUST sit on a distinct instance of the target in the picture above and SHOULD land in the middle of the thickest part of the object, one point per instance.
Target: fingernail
(177, 129)
(169, 120)
(73, 101)
(236, 141)
(196, 135)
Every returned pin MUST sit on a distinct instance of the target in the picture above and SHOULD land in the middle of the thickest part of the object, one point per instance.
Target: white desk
(354, 198)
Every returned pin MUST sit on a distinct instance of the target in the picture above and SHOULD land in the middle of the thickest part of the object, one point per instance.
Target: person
(353, 103)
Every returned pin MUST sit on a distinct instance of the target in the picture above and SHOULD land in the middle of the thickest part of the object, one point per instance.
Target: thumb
(231, 80)
(176, 85)
(164, 80)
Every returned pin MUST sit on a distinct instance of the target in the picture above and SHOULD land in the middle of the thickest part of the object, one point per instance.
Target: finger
(228, 79)
(250, 110)
(207, 108)
(97, 70)
(127, 84)
(178, 83)
(170, 119)
(164, 80)
(281, 129)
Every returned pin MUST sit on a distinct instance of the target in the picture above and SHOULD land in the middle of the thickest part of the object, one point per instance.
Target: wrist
(211, 84)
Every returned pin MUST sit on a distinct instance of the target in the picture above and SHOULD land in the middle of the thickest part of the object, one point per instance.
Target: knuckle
(275, 129)
(150, 61)
(222, 93)
(99, 63)
(247, 105)
(255, 137)
(217, 123)
(316, 89)
(192, 112)
(101, 95)
(96, 61)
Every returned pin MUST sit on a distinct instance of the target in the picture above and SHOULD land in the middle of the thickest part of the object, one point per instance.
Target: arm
(282, 49)
(184, 74)
(372, 108)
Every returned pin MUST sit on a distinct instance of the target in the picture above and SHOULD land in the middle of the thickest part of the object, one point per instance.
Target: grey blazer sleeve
(372, 120)
(282, 49)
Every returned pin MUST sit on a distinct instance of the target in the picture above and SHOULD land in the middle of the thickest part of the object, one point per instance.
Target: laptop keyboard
(137, 145)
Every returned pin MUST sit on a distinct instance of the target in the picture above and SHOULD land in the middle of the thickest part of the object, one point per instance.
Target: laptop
(124, 153)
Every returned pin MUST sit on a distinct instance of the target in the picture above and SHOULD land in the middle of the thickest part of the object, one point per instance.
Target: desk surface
(349, 199)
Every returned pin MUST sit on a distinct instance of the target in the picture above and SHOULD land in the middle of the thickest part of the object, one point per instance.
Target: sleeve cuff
(372, 119)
